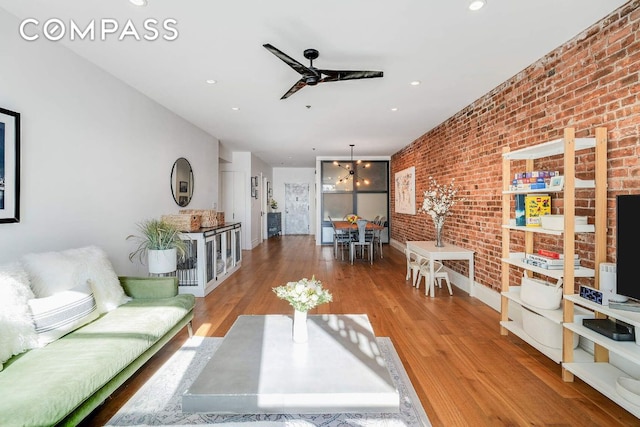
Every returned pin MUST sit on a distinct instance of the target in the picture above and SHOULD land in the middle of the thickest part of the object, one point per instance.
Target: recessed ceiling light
(235, 108)
(477, 4)
(138, 2)
(415, 83)
(211, 81)
(394, 109)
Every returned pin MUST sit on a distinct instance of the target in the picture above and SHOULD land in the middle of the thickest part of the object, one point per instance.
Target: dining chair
(377, 234)
(363, 242)
(413, 265)
(439, 273)
(341, 238)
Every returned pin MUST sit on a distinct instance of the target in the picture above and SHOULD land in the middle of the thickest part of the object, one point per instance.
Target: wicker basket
(183, 222)
(208, 217)
(220, 216)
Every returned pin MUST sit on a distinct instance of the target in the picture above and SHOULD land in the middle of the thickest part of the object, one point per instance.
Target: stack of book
(549, 260)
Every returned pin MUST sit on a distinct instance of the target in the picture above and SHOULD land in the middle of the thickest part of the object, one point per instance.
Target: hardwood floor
(464, 371)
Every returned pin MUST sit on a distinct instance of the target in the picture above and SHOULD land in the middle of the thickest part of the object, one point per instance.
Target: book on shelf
(536, 205)
(553, 254)
(550, 254)
(551, 261)
(547, 266)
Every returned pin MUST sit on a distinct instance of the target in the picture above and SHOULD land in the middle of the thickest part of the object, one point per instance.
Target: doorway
(296, 208)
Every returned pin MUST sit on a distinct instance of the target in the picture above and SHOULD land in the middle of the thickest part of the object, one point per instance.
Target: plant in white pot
(161, 243)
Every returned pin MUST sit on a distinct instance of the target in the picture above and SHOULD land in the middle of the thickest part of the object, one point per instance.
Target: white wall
(240, 162)
(282, 176)
(259, 206)
(96, 154)
(251, 211)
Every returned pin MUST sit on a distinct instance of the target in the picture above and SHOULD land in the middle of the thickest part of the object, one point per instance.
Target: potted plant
(273, 204)
(161, 243)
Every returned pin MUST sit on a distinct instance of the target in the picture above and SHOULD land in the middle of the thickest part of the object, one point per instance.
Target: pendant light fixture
(352, 168)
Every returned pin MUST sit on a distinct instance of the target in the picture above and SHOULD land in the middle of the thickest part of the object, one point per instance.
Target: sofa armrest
(150, 287)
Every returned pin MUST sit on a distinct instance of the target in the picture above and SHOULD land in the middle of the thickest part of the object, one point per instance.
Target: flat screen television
(628, 246)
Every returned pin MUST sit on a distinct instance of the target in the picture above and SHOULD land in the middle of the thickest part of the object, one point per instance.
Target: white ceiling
(458, 55)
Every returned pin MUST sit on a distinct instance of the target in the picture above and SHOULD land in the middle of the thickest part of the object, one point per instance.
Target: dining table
(350, 227)
(429, 250)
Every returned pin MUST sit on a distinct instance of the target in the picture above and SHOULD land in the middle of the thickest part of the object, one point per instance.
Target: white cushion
(54, 272)
(17, 332)
(61, 313)
(51, 272)
(98, 271)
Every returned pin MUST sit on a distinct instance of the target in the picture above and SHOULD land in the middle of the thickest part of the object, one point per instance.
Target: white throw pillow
(54, 272)
(51, 272)
(17, 332)
(64, 312)
(98, 271)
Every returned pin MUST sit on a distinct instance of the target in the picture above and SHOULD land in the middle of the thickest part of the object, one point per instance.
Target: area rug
(159, 401)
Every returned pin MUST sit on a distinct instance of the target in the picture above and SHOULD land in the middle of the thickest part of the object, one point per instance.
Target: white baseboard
(483, 293)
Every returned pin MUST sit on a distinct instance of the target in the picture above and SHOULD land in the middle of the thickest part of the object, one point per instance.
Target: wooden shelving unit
(567, 146)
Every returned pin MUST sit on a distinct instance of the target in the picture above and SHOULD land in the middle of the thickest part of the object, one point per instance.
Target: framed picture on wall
(405, 191)
(9, 166)
(184, 187)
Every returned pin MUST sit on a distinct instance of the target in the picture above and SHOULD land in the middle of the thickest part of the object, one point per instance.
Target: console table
(428, 249)
(212, 255)
(258, 369)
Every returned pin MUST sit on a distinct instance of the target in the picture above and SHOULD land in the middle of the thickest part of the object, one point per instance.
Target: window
(342, 196)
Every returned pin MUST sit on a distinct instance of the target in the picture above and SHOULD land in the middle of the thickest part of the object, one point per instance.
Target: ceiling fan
(311, 75)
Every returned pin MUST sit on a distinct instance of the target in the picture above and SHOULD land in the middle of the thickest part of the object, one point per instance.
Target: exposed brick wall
(592, 80)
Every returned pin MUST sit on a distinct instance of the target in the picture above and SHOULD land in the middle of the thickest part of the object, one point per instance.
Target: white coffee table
(258, 369)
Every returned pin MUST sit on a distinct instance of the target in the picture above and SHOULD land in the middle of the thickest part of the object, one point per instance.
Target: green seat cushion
(42, 386)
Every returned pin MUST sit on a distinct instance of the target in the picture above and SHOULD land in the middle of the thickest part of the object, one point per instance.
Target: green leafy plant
(273, 204)
(157, 235)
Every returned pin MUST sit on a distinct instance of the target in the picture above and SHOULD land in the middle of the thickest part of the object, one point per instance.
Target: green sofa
(61, 383)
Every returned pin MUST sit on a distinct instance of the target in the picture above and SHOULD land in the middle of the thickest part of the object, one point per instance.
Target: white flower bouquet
(438, 199)
(304, 294)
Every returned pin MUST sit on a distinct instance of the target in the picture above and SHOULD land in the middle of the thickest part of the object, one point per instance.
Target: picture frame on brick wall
(405, 191)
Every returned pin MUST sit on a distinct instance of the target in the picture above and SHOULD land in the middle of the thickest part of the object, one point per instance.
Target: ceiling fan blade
(287, 59)
(296, 87)
(336, 75)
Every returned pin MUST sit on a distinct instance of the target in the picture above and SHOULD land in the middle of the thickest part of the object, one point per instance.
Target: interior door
(296, 208)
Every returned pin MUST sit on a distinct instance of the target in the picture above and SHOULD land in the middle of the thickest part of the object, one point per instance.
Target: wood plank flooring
(464, 371)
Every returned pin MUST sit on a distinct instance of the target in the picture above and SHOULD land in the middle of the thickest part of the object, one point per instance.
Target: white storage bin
(540, 294)
(544, 330)
(556, 222)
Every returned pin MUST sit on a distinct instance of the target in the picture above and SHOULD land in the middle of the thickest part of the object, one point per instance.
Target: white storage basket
(540, 294)
(543, 330)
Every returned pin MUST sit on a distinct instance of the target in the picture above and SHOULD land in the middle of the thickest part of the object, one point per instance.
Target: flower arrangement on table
(304, 294)
(438, 201)
(353, 218)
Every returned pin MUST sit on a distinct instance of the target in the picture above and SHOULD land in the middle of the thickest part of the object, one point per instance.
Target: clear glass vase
(439, 223)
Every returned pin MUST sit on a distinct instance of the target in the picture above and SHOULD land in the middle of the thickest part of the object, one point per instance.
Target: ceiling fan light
(477, 4)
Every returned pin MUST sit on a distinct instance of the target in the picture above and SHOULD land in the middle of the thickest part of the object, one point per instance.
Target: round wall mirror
(182, 182)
